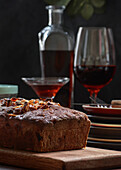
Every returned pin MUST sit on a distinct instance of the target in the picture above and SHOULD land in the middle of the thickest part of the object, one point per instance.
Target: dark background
(20, 22)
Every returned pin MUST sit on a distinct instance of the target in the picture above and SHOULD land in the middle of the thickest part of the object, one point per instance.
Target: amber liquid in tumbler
(94, 77)
(59, 64)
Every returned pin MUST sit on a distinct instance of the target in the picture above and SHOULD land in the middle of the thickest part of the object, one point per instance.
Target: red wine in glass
(94, 62)
(93, 78)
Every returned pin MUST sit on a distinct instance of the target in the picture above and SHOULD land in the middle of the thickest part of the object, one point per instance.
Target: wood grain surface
(88, 158)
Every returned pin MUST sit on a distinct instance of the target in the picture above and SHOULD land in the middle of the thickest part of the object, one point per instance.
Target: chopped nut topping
(20, 105)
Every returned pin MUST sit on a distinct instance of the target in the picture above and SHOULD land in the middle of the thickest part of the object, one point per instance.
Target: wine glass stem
(93, 95)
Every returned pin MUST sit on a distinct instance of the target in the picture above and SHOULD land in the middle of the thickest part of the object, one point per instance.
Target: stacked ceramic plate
(105, 131)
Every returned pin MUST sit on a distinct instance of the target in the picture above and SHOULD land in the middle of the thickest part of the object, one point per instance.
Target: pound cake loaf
(40, 126)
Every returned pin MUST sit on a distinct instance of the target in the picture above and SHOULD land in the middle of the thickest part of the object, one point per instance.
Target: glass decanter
(56, 44)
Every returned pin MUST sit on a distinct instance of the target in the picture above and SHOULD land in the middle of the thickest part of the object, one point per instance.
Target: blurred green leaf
(84, 7)
(58, 2)
(75, 6)
(87, 11)
(63, 2)
(98, 3)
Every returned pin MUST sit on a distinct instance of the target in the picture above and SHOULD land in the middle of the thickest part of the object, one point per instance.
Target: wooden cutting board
(88, 158)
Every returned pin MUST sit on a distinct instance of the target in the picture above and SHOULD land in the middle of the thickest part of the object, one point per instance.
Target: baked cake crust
(40, 126)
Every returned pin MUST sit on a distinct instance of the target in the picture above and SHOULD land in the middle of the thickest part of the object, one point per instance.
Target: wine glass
(46, 88)
(94, 63)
